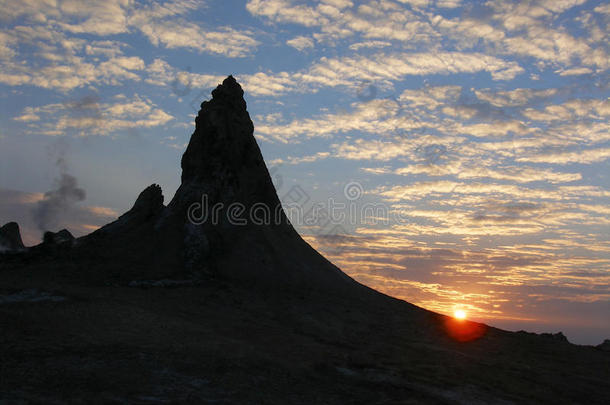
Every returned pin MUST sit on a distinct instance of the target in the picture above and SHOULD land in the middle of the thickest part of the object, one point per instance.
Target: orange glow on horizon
(463, 330)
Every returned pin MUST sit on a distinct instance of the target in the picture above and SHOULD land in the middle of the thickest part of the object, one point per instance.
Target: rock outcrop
(147, 207)
(63, 237)
(149, 203)
(10, 237)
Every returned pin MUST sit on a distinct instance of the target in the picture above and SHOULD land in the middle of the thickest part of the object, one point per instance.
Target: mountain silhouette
(215, 297)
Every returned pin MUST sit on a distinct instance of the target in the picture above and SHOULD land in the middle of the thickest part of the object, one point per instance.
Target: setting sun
(459, 314)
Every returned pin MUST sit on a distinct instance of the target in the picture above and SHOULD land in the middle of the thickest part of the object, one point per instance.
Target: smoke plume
(58, 202)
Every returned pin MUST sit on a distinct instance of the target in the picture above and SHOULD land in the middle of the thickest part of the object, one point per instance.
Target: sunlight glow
(459, 314)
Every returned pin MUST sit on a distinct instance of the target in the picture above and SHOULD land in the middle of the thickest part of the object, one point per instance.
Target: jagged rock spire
(223, 159)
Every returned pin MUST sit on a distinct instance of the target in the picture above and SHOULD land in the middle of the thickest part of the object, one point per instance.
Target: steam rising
(57, 202)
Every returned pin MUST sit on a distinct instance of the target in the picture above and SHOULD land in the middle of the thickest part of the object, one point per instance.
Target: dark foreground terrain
(221, 343)
(155, 309)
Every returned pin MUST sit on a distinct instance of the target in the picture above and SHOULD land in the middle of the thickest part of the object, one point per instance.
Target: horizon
(470, 140)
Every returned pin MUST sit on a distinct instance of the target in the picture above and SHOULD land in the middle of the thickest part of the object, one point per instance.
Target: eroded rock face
(10, 237)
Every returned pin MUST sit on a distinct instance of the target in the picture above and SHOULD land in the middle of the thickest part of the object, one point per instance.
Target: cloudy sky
(471, 138)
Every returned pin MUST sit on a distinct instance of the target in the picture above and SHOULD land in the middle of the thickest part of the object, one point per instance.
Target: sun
(459, 314)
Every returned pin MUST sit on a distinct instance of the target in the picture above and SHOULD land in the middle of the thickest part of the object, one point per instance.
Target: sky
(466, 143)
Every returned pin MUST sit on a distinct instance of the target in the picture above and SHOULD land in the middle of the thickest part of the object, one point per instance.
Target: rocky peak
(10, 237)
(223, 135)
(149, 203)
(222, 159)
(230, 93)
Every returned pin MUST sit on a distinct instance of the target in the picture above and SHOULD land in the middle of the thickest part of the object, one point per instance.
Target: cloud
(377, 116)
(182, 34)
(106, 48)
(284, 11)
(381, 69)
(65, 63)
(477, 171)
(369, 44)
(97, 17)
(525, 28)
(428, 110)
(300, 43)
(184, 82)
(336, 21)
(104, 212)
(93, 17)
(570, 110)
(581, 156)
(575, 71)
(29, 115)
(509, 28)
(423, 189)
(493, 129)
(389, 67)
(602, 9)
(90, 116)
(303, 159)
(513, 98)
(161, 73)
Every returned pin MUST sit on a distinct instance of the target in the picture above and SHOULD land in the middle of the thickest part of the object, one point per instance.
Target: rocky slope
(162, 306)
